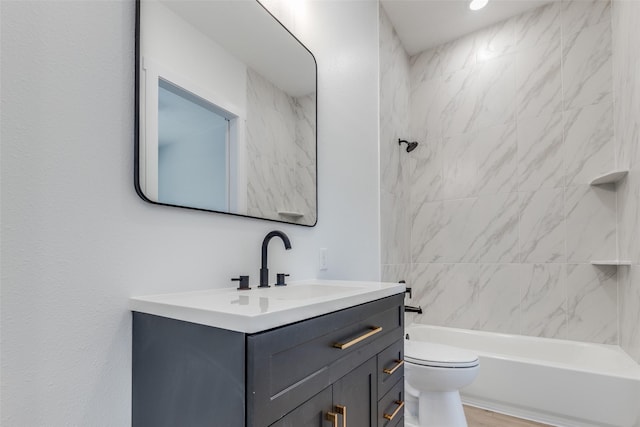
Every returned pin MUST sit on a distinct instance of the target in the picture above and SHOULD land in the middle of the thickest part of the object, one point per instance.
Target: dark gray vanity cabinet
(348, 362)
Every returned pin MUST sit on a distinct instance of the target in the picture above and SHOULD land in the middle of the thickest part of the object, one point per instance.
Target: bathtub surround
(516, 120)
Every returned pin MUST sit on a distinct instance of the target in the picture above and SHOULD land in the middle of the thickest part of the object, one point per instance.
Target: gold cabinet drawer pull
(342, 410)
(395, 368)
(400, 404)
(333, 417)
(373, 330)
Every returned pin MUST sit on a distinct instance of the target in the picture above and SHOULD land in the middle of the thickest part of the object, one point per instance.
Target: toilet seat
(438, 355)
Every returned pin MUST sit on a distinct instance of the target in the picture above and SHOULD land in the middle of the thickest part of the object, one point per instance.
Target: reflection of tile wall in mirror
(269, 100)
(281, 159)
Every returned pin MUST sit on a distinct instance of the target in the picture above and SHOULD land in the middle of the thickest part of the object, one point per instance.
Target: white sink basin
(257, 310)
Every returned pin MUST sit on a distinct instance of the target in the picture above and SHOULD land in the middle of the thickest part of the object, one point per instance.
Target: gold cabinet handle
(333, 417)
(342, 410)
(391, 416)
(395, 368)
(373, 330)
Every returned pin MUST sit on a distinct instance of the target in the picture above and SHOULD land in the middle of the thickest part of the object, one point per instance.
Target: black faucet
(264, 271)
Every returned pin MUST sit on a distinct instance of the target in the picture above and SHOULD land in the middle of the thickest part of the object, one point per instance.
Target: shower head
(410, 145)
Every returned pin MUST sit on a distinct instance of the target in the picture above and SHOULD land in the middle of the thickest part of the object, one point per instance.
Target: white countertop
(257, 310)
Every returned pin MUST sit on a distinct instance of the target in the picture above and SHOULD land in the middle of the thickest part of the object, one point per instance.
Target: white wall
(218, 74)
(76, 239)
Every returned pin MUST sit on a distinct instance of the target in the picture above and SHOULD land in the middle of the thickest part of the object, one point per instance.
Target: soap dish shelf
(291, 214)
(611, 262)
(610, 177)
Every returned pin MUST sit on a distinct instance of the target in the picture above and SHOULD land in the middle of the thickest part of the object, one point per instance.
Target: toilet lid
(438, 355)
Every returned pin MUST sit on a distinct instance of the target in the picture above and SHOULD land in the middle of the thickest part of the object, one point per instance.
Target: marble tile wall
(395, 162)
(626, 106)
(280, 136)
(513, 122)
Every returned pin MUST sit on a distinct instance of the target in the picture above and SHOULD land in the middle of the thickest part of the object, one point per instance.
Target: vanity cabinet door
(355, 394)
(312, 413)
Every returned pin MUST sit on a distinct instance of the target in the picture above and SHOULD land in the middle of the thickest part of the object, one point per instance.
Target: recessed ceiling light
(478, 4)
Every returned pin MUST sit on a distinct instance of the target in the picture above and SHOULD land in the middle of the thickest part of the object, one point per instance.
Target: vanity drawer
(391, 406)
(390, 366)
(288, 365)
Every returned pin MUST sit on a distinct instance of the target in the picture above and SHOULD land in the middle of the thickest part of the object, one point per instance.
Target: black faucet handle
(280, 279)
(244, 282)
(407, 289)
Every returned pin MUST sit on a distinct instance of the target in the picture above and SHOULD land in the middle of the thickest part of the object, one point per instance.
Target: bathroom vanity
(308, 354)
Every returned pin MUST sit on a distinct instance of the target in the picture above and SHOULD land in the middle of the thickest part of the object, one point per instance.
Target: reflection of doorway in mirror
(193, 147)
(191, 144)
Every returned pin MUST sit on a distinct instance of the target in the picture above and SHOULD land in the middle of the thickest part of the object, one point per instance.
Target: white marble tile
(395, 273)
(395, 166)
(586, 66)
(626, 85)
(428, 232)
(538, 26)
(629, 288)
(458, 99)
(576, 15)
(542, 228)
(499, 297)
(496, 91)
(425, 66)
(459, 166)
(425, 109)
(490, 231)
(457, 217)
(458, 54)
(590, 213)
(539, 80)
(439, 231)
(495, 149)
(277, 137)
(588, 142)
(540, 153)
(447, 294)
(628, 210)
(592, 303)
(497, 40)
(426, 172)
(395, 237)
(394, 109)
(544, 301)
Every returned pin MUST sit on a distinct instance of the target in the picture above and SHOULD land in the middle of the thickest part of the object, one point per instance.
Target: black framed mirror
(225, 111)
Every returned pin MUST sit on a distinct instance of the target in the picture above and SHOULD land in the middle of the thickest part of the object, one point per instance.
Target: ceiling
(248, 32)
(423, 24)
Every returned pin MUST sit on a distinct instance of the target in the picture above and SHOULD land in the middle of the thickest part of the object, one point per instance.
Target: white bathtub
(558, 382)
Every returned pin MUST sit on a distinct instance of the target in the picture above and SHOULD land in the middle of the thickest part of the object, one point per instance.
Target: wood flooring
(477, 417)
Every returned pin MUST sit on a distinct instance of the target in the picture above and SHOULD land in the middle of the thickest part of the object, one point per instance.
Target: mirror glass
(226, 111)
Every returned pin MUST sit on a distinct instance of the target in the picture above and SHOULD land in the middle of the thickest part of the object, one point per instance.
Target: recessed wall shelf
(609, 178)
(611, 262)
(291, 214)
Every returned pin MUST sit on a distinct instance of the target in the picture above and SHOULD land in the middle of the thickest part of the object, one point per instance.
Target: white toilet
(434, 374)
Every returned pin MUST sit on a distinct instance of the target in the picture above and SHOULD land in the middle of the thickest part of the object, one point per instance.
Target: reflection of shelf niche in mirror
(610, 177)
(291, 214)
(611, 262)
